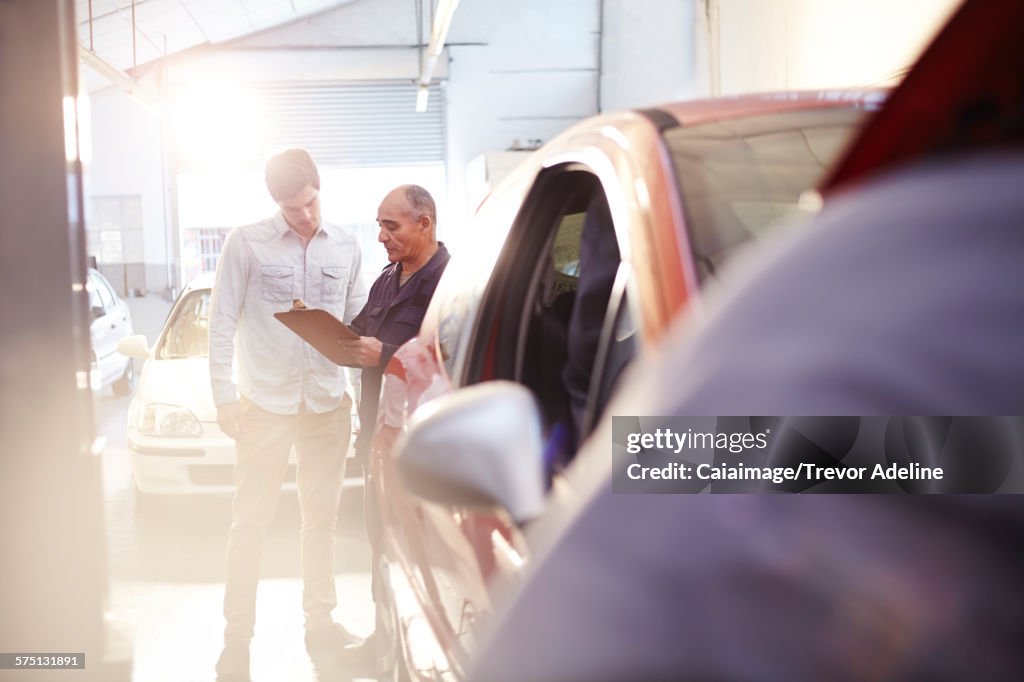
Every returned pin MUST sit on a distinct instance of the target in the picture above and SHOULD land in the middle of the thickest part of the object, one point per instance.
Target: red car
(581, 259)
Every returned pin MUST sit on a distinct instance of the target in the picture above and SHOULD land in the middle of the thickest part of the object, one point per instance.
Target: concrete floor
(166, 571)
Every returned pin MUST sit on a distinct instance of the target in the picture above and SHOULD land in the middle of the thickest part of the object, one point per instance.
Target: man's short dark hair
(288, 172)
(421, 201)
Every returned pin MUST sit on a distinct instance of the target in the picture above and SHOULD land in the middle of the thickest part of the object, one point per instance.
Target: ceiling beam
(118, 78)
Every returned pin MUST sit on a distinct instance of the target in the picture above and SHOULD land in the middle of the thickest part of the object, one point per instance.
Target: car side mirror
(480, 446)
(97, 312)
(134, 346)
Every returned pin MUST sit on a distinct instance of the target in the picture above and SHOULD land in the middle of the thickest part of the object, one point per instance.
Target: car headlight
(169, 421)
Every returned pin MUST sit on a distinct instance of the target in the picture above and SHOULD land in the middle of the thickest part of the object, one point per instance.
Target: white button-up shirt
(262, 269)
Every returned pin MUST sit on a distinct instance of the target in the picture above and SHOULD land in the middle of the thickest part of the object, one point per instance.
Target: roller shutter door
(345, 124)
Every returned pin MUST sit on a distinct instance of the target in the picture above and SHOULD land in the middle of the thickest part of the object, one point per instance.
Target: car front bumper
(188, 466)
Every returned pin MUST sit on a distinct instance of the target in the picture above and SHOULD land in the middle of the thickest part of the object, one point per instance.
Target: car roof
(696, 112)
(963, 92)
(690, 113)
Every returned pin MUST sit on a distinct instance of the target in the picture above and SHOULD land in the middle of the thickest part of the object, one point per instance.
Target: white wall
(662, 50)
(649, 53)
(519, 72)
(126, 160)
(800, 44)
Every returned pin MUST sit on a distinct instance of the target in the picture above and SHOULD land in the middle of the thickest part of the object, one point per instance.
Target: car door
(432, 563)
(543, 315)
(102, 329)
(504, 310)
(110, 322)
(542, 312)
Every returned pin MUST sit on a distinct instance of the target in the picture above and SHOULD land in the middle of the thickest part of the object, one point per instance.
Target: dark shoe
(330, 639)
(360, 657)
(233, 664)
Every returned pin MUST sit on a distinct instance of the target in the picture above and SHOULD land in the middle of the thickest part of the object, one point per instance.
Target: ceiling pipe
(438, 34)
(419, 34)
(713, 24)
(135, 61)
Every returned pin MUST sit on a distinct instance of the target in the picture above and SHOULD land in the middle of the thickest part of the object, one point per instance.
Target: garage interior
(133, 134)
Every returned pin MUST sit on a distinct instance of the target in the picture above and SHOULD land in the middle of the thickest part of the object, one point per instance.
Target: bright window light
(218, 124)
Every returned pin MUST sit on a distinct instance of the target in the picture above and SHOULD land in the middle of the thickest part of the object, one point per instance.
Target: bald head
(408, 221)
(420, 202)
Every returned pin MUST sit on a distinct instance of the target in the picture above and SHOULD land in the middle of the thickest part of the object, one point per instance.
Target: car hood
(184, 382)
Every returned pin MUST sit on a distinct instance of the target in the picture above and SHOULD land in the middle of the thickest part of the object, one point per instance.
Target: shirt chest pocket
(374, 316)
(402, 324)
(333, 281)
(276, 282)
(410, 317)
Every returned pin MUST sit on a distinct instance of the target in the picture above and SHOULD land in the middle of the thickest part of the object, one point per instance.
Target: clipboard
(321, 330)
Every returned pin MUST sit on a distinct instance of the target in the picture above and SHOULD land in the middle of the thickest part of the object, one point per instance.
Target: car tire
(126, 383)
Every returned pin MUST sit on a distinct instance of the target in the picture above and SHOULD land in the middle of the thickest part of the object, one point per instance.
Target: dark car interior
(557, 321)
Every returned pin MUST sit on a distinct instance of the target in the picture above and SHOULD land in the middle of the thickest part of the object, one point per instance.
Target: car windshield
(740, 176)
(188, 329)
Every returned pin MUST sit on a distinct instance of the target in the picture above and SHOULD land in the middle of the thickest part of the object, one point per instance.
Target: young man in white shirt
(288, 394)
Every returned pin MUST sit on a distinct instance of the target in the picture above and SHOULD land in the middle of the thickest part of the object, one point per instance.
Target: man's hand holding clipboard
(332, 337)
(365, 351)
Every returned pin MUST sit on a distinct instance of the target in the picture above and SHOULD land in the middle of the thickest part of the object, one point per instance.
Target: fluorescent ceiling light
(442, 22)
(438, 34)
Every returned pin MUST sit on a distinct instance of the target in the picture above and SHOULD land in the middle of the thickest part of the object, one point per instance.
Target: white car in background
(176, 446)
(110, 322)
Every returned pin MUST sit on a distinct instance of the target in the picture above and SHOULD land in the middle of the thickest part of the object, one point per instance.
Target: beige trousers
(321, 443)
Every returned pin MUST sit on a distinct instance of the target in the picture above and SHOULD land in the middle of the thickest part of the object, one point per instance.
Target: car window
(94, 292)
(545, 308)
(565, 252)
(598, 261)
(107, 298)
(457, 299)
(188, 330)
(739, 177)
(541, 355)
(618, 346)
(454, 308)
